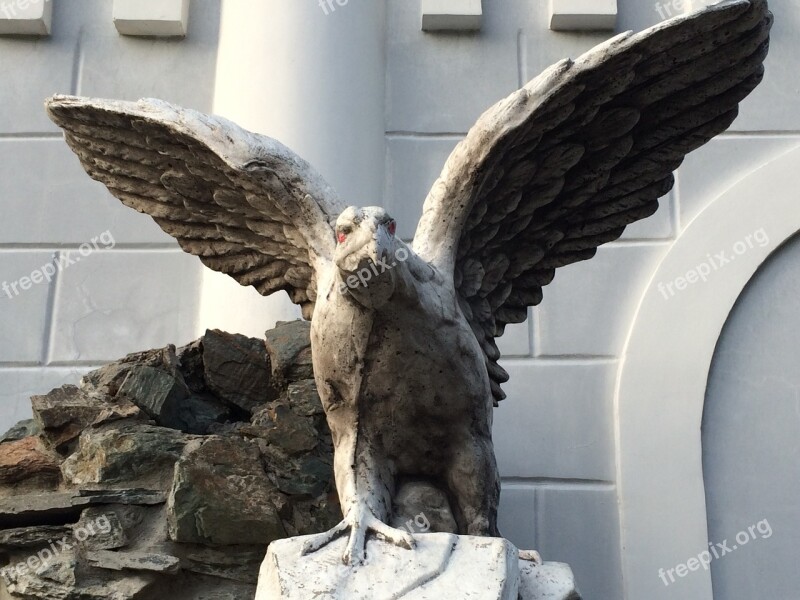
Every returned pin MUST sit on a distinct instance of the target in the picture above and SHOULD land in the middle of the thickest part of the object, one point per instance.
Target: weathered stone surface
(65, 412)
(304, 398)
(23, 429)
(28, 459)
(145, 404)
(58, 580)
(287, 430)
(234, 563)
(32, 537)
(133, 561)
(548, 581)
(237, 369)
(100, 529)
(66, 507)
(167, 399)
(222, 495)
(481, 568)
(289, 349)
(126, 454)
(420, 507)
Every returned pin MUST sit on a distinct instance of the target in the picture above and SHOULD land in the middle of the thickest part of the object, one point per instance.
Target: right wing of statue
(403, 337)
(588, 147)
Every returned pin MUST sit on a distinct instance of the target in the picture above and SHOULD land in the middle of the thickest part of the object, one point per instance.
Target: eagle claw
(359, 521)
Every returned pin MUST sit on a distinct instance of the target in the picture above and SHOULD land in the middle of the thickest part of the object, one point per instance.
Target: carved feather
(588, 147)
(245, 204)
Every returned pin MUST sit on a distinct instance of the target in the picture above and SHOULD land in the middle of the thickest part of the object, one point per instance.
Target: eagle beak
(380, 248)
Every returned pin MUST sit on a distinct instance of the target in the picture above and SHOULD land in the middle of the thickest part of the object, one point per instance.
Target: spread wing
(243, 203)
(564, 164)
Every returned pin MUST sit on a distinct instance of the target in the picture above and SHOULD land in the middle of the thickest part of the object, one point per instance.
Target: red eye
(341, 237)
(392, 227)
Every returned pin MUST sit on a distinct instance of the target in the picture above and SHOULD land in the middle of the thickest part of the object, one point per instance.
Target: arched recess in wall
(663, 377)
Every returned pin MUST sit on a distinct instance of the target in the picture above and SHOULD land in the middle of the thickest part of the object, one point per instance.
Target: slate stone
(289, 349)
(28, 460)
(133, 561)
(420, 506)
(304, 399)
(221, 495)
(23, 429)
(241, 465)
(237, 369)
(100, 528)
(235, 563)
(58, 508)
(33, 537)
(289, 431)
(126, 454)
(66, 411)
(190, 363)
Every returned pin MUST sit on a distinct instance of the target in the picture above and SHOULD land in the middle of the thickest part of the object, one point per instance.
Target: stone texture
(227, 489)
(21, 430)
(289, 349)
(549, 581)
(28, 459)
(237, 369)
(65, 412)
(221, 495)
(131, 453)
(420, 507)
(486, 568)
(133, 561)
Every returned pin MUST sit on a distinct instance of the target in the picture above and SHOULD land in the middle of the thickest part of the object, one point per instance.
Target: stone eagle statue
(403, 335)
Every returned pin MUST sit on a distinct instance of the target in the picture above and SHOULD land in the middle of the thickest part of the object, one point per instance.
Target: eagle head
(366, 254)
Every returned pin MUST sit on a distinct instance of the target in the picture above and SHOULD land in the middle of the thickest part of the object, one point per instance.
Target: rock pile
(167, 474)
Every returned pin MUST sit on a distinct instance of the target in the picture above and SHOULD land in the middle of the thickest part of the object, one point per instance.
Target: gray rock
(420, 507)
(237, 369)
(234, 563)
(133, 561)
(167, 399)
(23, 429)
(304, 399)
(289, 349)
(33, 537)
(66, 507)
(100, 529)
(65, 412)
(292, 433)
(222, 496)
(131, 453)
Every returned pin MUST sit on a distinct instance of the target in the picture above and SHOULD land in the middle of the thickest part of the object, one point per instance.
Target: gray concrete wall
(141, 293)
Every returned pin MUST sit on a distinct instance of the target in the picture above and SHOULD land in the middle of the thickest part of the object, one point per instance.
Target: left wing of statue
(243, 203)
(588, 147)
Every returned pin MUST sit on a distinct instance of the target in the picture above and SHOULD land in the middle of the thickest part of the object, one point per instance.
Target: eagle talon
(360, 522)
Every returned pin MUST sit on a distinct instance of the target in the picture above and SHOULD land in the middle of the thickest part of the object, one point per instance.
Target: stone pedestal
(442, 566)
